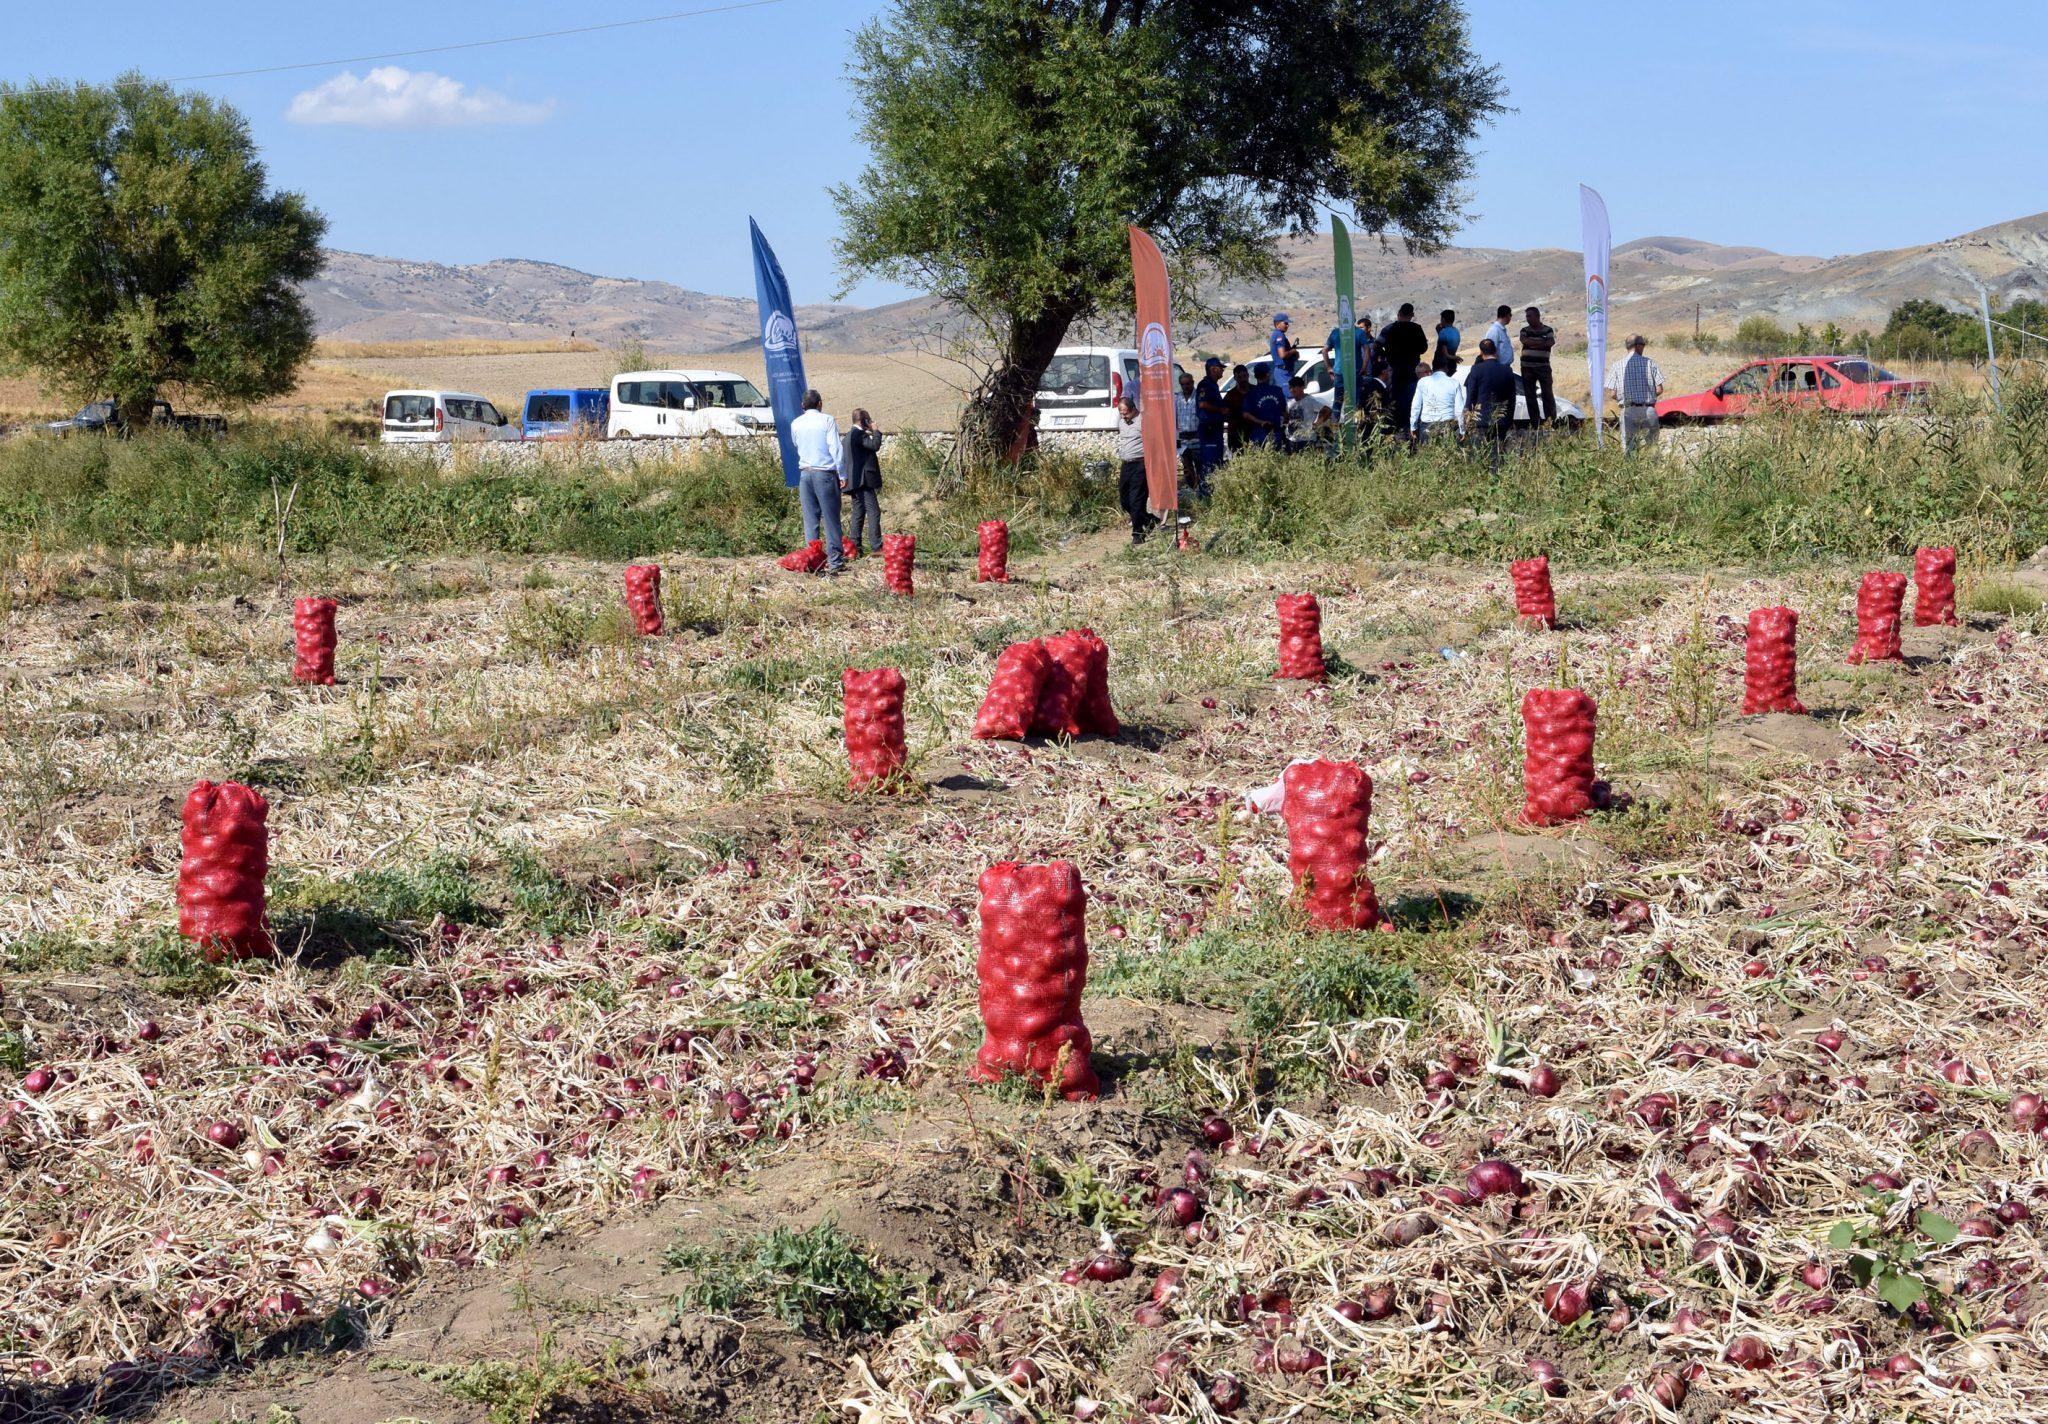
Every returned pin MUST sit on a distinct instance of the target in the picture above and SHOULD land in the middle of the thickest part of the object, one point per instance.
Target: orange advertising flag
(1155, 374)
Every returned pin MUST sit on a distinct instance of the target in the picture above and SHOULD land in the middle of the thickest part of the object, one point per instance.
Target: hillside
(1658, 281)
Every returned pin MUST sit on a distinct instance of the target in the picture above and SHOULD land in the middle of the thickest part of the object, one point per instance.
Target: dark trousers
(1132, 493)
(864, 513)
(1535, 380)
(1400, 396)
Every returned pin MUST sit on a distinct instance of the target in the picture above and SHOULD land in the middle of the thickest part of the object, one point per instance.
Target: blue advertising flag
(779, 348)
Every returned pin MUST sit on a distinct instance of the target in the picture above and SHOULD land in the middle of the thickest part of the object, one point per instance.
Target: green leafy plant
(1884, 1262)
(818, 1280)
(1079, 1191)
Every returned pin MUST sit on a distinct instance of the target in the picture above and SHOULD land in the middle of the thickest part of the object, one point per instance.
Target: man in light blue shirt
(819, 480)
(1503, 345)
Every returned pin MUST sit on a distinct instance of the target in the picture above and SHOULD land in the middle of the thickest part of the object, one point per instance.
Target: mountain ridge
(1658, 282)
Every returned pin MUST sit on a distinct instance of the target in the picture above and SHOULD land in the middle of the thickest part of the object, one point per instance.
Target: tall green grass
(1777, 491)
(167, 489)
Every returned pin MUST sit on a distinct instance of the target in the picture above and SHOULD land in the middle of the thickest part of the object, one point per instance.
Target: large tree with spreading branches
(141, 247)
(1012, 140)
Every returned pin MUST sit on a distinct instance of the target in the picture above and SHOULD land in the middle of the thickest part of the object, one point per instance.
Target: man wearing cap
(1636, 383)
(1210, 411)
(1285, 354)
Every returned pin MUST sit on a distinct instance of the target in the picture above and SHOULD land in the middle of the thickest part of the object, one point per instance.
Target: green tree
(1012, 140)
(140, 247)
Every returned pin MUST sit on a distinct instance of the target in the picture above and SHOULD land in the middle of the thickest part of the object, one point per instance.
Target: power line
(451, 48)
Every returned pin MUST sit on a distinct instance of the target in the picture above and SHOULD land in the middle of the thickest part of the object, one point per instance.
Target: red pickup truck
(1849, 384)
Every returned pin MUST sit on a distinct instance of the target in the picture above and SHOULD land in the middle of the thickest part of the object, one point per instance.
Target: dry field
(910, 390)
(595, 976)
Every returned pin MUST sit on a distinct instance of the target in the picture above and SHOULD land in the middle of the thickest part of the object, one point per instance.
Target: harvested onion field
(616, 1065)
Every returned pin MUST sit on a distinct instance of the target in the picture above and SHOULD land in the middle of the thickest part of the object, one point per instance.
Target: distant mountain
(361, 298)
(1657, 283)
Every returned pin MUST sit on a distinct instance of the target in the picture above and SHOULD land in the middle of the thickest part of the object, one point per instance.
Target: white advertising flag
(1598, 240)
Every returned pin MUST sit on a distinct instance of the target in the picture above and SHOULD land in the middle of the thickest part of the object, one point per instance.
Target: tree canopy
(140, 247)
(1012, 140)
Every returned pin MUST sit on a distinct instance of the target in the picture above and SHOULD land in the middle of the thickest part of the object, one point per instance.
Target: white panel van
(653, 404)
(441, 418)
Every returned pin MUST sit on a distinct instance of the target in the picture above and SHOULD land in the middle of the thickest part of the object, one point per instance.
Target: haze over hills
(1657, 282)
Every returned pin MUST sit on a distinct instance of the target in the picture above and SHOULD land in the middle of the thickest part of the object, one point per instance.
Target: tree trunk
(136, 414)
(992, 428)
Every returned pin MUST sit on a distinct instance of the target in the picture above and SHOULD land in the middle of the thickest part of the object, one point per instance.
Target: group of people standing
(830, 468)
(1400, 379)
(1406, 380)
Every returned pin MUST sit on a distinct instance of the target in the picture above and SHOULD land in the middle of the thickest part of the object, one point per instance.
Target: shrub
(1761, 336)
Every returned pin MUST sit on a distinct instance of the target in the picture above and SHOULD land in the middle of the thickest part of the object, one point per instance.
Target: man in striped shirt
(1636, 382)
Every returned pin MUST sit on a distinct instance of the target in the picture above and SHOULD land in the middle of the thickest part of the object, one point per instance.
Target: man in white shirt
(1636, 383)
(819, 457)
(1439, 408)
(1187, 425)
(1503, 345)
(1132, 491)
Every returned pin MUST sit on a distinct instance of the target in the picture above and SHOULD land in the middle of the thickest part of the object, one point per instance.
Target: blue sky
(1805, 127)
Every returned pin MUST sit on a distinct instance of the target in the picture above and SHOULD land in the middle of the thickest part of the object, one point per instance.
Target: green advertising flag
(1347, 327)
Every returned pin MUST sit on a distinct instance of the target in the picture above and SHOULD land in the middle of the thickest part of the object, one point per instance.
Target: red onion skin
(1749, 1353)
(1226, 1395)
(1105, 1267)
(1565, 1302)
(1494, 1177)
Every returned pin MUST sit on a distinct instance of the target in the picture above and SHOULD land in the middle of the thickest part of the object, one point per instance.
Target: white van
(653, 404)
(442, 417)
(1081, 387)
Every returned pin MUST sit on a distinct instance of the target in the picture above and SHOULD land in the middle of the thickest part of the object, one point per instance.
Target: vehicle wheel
(1676, 419)
(1573, 424)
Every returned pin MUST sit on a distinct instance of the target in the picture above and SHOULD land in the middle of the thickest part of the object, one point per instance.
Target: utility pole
(1990, 345)
(1695, 323)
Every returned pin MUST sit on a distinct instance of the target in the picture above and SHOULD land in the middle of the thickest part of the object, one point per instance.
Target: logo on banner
(780, 333)
(1344, 311)
(1596, 295)
(1153, 347)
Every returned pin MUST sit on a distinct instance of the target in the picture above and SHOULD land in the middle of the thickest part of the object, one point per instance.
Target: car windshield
(1864, 373)
(408, 407)
(1073, 374)
(729, 395)
(98, 410)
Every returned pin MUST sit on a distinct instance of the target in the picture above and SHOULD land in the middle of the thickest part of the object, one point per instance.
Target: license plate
(1067, 419)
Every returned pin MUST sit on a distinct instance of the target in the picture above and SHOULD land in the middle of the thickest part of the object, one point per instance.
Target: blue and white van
(560, 414)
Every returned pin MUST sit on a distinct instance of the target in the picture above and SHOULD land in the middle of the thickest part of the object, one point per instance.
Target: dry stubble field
(595, 975)
(906, 390)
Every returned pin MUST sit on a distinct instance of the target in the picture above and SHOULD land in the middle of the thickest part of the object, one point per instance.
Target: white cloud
(392, 98)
